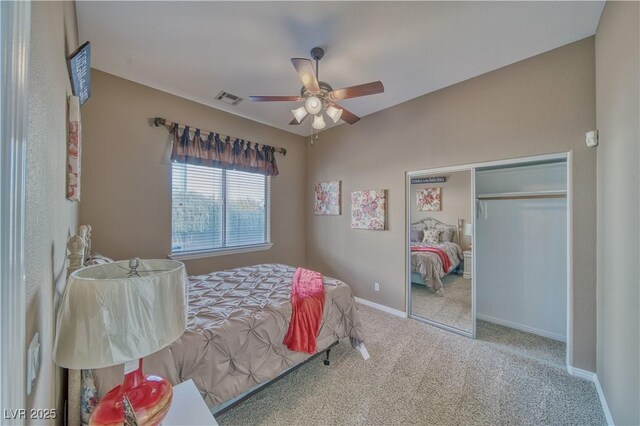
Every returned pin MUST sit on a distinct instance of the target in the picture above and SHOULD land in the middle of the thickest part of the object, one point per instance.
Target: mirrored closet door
(439, 256)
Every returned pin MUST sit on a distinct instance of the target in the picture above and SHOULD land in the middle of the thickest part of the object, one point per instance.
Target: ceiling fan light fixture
(299, 113)
(334, 113)
(313, 105)
(319, 96)
(318, 122)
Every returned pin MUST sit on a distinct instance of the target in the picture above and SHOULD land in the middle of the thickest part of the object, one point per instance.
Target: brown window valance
(236, 154)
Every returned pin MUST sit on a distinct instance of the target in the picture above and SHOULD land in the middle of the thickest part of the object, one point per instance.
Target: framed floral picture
(327, 198)
(368, 209)
(428, 199)
(74, 144)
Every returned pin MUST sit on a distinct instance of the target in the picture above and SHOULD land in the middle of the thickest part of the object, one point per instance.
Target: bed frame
(79, 251)
(228, 405)
(428, 223)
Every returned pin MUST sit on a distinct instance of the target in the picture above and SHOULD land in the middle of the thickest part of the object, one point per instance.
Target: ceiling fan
(319, 96)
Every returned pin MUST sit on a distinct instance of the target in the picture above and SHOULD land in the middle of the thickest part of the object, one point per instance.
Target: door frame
(15, 23)
(567, 156)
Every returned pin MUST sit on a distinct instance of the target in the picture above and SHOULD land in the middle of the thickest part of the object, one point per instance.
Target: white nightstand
(467, 264)
(188, 407)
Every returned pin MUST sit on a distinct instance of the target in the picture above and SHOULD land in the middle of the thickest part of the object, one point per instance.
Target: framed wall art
(368, 209)
(428, 199)
(74, 149)
(327, 198)
(79, 63)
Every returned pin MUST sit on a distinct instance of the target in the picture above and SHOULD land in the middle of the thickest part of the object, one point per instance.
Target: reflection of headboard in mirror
(429, 222)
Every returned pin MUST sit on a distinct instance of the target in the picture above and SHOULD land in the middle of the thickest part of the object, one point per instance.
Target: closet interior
(521, 256)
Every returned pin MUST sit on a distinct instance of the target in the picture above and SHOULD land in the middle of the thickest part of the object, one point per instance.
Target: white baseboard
(381, 307)
(593, 377)
(603, 401)
(521, 327)
(583, 374)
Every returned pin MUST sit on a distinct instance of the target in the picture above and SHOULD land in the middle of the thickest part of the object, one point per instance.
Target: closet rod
(520, 197)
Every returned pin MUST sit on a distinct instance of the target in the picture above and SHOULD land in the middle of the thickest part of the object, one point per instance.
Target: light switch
(33, 361)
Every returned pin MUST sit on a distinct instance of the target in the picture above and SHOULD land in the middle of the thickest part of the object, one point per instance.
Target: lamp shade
(468, 229)
(299, 113)
(334, 113)
(318, 122)
(313, 105)
(109, 317)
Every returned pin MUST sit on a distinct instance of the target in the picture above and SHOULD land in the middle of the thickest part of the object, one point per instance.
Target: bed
(427, 267)
(237, 320)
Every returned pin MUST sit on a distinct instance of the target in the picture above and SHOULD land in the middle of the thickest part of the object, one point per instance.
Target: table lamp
(468, 230)
(118, 313)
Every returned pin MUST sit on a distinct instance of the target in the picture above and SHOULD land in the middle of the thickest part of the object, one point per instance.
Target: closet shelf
(523, 194)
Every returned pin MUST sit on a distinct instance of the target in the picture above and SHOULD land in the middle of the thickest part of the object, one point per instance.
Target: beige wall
(544, 104)
(455, 199)
(126, 182)
(50, 218)
(618, 98)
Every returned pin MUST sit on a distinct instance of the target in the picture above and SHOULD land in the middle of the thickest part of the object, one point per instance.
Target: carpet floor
(531, 345)
(419, 374)
(452, 307)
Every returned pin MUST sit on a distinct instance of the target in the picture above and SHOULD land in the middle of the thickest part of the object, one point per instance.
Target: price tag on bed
(363, 351)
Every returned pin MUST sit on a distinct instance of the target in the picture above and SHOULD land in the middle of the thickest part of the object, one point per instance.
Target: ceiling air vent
(228, 98)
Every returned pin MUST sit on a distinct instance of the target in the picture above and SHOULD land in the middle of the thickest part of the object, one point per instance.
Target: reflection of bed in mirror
(435, 252)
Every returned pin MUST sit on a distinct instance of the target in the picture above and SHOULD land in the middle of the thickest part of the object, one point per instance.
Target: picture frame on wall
(74, 148)
(327, 198)
(368, 209)
(429, 199)
(79, 64)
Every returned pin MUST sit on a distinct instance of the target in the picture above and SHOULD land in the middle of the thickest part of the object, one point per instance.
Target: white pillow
(431, 236)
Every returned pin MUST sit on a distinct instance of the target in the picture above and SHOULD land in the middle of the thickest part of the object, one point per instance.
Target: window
(216, 210)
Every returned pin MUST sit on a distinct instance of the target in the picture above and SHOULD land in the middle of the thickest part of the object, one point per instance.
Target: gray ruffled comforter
(429, 265)
(237, 321)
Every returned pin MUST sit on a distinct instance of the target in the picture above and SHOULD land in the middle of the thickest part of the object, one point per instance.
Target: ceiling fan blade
(356, 91)
(275, 98)
(347, 116)
(294, 122)
(304, 67)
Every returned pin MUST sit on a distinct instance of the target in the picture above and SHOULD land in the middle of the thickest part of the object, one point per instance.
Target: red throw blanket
(307, 302)
(446, 263)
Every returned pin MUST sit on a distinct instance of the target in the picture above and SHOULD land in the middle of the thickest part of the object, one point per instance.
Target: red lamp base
(150, 397)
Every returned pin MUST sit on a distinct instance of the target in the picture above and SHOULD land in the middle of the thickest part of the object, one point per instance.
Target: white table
(467, 264)
(188, 408)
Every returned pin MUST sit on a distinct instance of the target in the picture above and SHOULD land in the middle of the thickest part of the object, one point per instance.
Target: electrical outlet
(592, 138)
(33, 361)
(376, 286)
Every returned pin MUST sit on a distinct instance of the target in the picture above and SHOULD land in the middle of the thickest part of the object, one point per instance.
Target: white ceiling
(195, 50)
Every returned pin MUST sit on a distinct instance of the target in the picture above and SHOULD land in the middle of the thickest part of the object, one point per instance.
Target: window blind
(216, 209)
